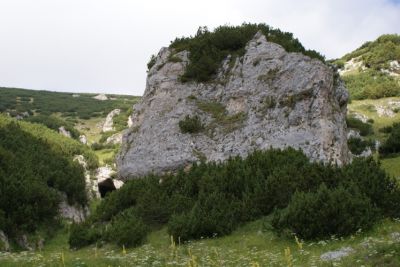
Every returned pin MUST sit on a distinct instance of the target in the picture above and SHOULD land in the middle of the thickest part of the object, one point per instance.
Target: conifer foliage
(214, 199)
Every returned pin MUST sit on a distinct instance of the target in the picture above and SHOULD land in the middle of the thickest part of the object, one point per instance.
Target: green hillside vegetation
(373, 83)
(84, 106)
(378, 53)
(214, 199)
(54, 123)
(208, 48)
(36, 166)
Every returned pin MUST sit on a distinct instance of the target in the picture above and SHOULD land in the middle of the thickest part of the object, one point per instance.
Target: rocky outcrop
(73, 213)
(64, 132)
(108, 124)
(266, 98)
(114, 139)
(83, 139)
(105, 182)
(101, 97)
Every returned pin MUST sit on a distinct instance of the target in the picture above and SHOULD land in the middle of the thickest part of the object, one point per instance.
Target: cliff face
(266, 98)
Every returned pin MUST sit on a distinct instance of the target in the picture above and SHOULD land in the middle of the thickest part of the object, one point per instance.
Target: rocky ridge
(266, 98)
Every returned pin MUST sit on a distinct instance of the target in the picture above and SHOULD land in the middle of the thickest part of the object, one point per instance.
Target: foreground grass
(251, 245)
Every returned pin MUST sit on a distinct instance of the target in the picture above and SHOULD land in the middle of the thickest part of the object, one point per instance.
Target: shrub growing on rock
(191, 124)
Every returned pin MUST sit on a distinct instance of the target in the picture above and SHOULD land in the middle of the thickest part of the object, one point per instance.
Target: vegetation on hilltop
(84, 106)
(373, 82)
(377, 54)
(208, 48)
(214, 199)
(36, 167)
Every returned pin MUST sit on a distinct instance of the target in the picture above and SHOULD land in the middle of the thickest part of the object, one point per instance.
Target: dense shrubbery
(378, 53)
(364, 128)
(55, 123)
(47, 103)
(207, 49)
(191, 124)
(358, 145)
(371, 84)
(339, 211)
(392, 143)
(213, 199)
(33, 174)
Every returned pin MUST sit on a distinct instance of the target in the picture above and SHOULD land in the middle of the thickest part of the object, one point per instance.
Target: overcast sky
(104, 45)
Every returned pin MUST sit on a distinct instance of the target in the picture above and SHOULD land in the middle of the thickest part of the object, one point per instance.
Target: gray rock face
(73, 213)
(268, 97)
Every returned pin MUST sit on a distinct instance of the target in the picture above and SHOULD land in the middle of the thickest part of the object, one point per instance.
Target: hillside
(55, 153)
(37, 174)
(236, 100)
(373, 70)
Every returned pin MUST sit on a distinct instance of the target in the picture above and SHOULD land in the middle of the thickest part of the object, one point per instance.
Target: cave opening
(106, 187)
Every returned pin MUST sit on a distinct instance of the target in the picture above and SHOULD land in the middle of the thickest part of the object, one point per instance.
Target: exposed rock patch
(64, 132)
(101, 97)
(337, 254)
(108, 124)
(384, 112)
(83, 139)
(267, 98)
(114, 139)
(71, 212)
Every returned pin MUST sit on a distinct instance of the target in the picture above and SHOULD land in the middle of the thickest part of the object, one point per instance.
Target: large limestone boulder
(266, 98)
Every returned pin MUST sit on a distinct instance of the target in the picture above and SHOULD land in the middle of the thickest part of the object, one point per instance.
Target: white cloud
(104, 45)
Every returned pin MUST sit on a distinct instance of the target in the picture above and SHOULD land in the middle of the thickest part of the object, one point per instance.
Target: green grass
(250, 245)
(105, 155)
(367, 108)
(392, 166)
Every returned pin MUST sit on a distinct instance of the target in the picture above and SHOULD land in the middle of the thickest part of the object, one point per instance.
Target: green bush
(213, 215)
(364, 128)
(371, 84)
(82, 234)
(151, 62)
(213, 199)
(55, 123)
(326, 212)
(207, 49)
(392, 143)
(358, 145)
(191, 124)
(127, 230)
(36, 168)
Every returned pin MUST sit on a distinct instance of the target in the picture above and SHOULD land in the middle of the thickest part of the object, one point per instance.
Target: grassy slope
(367, 108)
